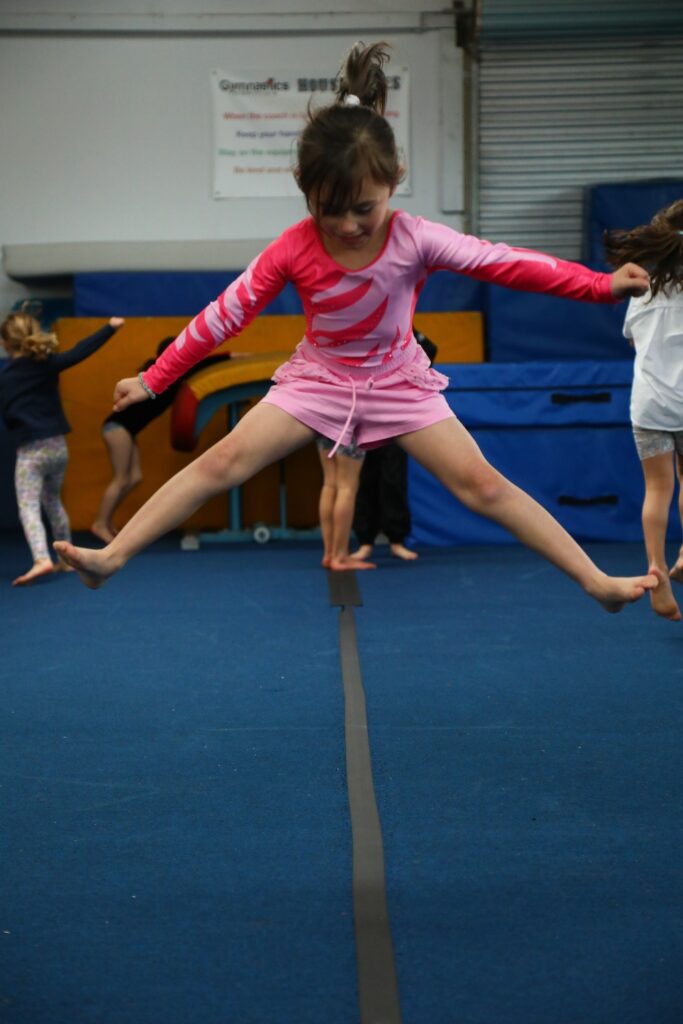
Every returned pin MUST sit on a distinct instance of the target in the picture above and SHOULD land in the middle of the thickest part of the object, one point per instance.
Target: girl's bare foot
(102, 531)
(43, 567)
(676, 573)
(347, 563)
(92, 565)
(326, 559)
(662, 598)
(613, 592)
(363, 553)
(62, 566)
(401, 551)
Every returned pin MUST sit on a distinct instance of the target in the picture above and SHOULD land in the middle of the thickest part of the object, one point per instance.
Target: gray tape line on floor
(377, 984)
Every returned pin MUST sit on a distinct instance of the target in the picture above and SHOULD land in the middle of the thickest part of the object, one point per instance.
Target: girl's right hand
(128, 392)
(629, 281)
(116, 322)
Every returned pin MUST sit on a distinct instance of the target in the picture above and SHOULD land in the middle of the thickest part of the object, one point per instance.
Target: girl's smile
(360, 228)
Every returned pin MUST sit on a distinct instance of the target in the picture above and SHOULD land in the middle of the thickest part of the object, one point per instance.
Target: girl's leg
(124, 459)
(395, 511)
(659, 490)
(347, 473)
(28, 481)
(264, 435)
(51, 497)
(451, 454)
(677, 570)
(366, 514)
(326, 504)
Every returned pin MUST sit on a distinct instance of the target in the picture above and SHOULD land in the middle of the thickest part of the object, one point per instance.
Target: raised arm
(64, 360)
(442, 248)
(224, 318)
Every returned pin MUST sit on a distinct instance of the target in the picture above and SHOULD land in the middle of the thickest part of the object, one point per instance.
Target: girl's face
(361, 226)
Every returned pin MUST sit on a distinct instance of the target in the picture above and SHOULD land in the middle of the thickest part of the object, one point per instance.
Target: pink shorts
(367, 410)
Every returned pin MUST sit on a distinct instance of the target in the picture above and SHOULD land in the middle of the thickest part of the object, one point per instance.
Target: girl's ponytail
(22, 335)
(657, 246)
(350, 141)
(362, 77)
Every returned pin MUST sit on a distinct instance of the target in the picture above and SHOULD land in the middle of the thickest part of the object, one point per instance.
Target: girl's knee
(222, 461)
(483, 486)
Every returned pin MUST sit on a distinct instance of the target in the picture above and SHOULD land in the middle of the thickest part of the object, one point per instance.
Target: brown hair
(657, 246)
(22, 335)
(341, 144)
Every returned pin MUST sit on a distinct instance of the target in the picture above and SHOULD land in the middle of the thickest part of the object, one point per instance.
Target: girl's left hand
(629, 280)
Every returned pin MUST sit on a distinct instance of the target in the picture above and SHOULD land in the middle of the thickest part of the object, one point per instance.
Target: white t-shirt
(656, 328)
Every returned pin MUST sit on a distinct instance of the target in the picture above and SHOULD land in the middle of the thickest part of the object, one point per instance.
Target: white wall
(108, 136)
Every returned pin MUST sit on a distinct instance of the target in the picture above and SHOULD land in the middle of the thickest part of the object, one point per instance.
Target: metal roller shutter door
(557, 115)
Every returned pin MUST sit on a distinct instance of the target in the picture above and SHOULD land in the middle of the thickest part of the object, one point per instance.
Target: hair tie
(351, 101)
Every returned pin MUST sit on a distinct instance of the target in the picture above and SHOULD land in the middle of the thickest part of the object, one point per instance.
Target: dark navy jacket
(29, 390)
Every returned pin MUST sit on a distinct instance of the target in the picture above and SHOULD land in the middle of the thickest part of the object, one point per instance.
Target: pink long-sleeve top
(360, 322)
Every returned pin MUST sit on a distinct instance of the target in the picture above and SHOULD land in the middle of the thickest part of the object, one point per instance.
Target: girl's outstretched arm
(224, 318)
(442, 248)
(64, 360)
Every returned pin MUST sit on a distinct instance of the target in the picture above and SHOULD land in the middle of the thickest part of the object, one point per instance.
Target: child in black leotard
(119, 431)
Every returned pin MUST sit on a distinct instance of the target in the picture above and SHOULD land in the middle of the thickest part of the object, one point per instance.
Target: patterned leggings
(38, 479)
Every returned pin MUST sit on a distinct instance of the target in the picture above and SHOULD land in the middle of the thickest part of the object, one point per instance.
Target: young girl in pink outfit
(358, 376)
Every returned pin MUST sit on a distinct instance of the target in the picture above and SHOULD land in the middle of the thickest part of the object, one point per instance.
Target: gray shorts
(657, 442)
(352, 451)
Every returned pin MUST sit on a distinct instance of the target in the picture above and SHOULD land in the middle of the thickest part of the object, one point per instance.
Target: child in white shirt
(654, 325)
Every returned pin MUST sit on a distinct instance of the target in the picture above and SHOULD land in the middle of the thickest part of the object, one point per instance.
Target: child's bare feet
(662, 597)
(363, 553)
(102, 531)
(92, 565)
(613, 592)
(347, 563)
(43, 567)
(401, 551)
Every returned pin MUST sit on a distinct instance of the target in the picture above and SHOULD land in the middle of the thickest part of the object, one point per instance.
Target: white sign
(257, 121)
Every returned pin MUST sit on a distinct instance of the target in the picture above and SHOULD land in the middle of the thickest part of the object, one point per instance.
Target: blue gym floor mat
(176, 834)
(527, 760)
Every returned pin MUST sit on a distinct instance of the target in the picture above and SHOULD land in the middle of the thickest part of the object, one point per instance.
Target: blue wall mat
(186, 293)
(522, 326)
(445, 292)
(623, 206)
(46, 310)
(561, 431)
(161, 293)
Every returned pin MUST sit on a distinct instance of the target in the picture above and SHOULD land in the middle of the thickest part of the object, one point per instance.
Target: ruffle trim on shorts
(417, 371)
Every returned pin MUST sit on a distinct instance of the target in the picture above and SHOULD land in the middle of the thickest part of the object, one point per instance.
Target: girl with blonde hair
(32, 412)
